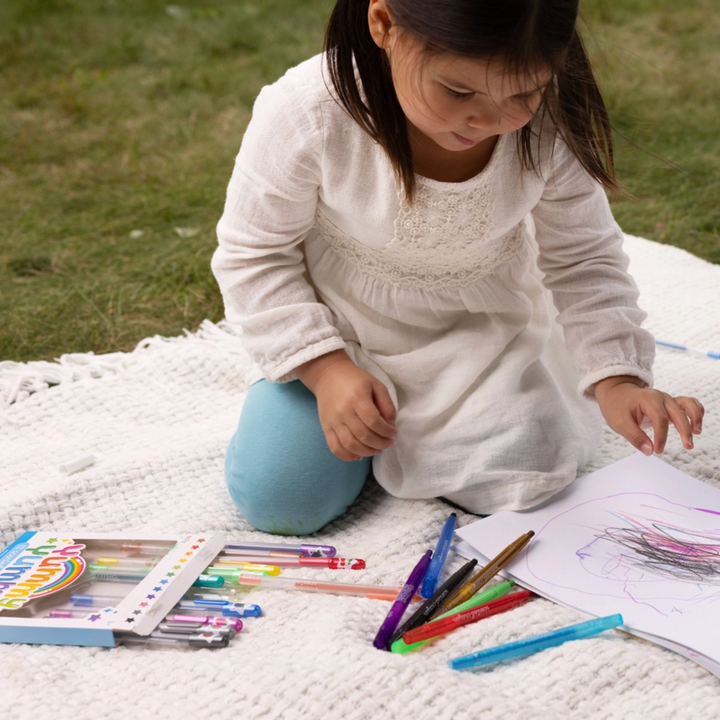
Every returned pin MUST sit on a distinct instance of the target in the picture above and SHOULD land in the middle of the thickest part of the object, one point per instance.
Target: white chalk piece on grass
(77, 464)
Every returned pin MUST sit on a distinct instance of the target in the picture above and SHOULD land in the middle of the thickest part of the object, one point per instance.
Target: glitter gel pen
(334, 563)
(689, 350)
(86, 600)
(442, 627)
(439, 556)
(403, 599)
(483, 576)
(207, 606)
(109, 574)
(197, 640)
(224, 608)
(209, 620)
(375, 592)
(536, 643)
(305, 549)
(428, 608)
(230, 571)
(500, 590)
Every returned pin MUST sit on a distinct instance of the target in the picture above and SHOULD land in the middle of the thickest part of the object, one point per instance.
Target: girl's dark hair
(525, 34)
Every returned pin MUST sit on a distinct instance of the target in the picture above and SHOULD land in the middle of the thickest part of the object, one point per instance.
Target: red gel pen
(446, 625)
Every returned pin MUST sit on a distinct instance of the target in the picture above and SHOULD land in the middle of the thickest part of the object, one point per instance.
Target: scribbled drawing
(664, 551)
(636, 546)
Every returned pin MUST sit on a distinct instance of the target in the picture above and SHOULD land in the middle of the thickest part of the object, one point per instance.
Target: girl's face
(457, 102)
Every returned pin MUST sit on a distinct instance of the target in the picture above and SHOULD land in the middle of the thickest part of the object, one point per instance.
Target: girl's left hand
(625, 405)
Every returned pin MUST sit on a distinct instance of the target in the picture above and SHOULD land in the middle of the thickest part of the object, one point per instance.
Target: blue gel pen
(536, 643)
(221, 607)
(83, 600)
(689, 350)
(438, 558)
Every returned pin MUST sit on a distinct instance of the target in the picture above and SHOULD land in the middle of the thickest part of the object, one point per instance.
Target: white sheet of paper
(637, 537)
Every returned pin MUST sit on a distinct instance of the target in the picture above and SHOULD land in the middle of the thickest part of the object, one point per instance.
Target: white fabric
(442, 300)
(158, 421)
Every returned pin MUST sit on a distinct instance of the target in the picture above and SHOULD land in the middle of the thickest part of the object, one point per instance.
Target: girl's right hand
(356, 411)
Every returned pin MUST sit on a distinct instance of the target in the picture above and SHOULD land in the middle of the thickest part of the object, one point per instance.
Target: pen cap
(173, 626)
(237, 566)
(208, 640)
(76, 464)
(209, 581)
(201, 639)
(241, 610)
(317, 550)
(214, 622)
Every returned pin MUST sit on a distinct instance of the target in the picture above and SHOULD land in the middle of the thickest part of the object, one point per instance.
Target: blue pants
(279, 469)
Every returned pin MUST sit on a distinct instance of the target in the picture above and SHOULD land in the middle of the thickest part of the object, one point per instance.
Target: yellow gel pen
(482, 577)
(232, 573)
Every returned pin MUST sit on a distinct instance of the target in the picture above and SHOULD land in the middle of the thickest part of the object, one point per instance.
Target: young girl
(420, 254)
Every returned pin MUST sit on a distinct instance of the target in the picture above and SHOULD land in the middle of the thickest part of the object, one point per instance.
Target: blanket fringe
(20, 380)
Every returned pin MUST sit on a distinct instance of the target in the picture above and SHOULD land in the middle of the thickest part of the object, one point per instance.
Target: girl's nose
(487, 119)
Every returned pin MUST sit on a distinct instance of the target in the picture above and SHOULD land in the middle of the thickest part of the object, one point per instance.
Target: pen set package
(64, 588)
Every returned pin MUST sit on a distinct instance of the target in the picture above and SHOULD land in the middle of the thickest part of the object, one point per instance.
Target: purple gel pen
(305, 549)
(403, 600)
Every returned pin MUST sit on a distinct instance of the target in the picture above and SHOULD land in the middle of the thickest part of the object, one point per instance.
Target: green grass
(659, 63)
(120, 121)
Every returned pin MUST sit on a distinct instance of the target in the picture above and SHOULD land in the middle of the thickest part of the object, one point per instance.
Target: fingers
(659, 417)
(630, 429)
(386, 408)
(366, 433)
(338, 449)
(630, 410)
(694, 410)
(684, 413)
(356, 427)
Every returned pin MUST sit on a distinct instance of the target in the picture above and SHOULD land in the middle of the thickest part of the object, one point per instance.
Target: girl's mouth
(465, 141)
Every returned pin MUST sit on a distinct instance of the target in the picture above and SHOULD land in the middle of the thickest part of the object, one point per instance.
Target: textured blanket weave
(158, 420)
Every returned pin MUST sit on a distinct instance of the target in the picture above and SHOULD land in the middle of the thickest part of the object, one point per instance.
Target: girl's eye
(458, 95)
(530, 96)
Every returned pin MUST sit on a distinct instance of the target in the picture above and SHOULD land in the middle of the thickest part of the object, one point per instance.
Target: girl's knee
(280, 472)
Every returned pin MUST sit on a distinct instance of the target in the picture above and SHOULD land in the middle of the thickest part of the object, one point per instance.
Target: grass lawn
(120, 121)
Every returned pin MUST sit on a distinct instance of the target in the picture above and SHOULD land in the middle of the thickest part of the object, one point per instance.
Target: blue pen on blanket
(689, 350)
(535, 643)
(438, 557)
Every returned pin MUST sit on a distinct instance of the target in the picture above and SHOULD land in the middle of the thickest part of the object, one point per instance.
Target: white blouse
(489, 307)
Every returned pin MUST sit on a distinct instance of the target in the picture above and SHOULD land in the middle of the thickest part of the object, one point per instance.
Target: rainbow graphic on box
(36, 565)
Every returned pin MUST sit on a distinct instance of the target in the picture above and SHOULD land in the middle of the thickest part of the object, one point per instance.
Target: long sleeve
(270, 207)
(580, 252)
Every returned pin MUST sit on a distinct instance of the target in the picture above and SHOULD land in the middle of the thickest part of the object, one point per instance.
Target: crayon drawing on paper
(636, 546)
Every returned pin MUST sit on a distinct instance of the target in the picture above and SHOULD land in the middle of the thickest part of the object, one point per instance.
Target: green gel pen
(232, 574)
(113, 574)
(497, 591)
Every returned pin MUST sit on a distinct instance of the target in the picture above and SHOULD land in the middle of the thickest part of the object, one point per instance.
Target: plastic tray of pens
(96, 589)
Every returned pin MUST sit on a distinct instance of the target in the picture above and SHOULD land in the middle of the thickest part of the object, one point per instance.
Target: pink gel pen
(63, 613)
(293, 561)
(209, 620)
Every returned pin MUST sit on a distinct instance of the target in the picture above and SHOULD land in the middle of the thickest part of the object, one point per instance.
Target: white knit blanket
(158, 419)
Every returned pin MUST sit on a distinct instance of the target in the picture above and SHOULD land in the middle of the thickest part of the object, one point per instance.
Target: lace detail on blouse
(441, 240)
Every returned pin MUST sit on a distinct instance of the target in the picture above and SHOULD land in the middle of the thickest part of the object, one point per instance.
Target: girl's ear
(380, 20)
